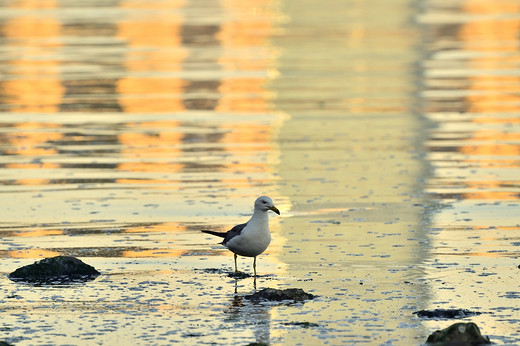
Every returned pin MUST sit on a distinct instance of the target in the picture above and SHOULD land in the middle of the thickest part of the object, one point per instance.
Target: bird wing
(233, 232)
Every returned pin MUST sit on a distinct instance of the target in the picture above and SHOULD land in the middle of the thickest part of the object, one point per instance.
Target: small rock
(446, 313)
(302, 324)
(239, 275)
(458, 334)
(273, 294)
(59, 269)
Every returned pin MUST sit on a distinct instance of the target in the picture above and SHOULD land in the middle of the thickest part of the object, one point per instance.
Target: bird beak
(273, 208)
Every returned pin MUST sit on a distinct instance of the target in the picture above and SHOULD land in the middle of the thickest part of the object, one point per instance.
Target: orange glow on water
(32, 253)
(37, 86)
(146, 88)
(496, 92)
(38, 232)
(155, 253)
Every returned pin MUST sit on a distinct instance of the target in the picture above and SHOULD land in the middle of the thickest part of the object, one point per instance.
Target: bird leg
(254, 266)
(236, 268)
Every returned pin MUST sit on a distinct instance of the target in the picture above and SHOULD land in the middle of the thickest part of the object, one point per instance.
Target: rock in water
(272, 294)
(59, 269)
(458, 334)
(446, 313)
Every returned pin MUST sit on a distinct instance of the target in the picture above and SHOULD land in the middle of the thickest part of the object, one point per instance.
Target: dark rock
(59, 269)
(458, 334)
(4, 343)
(446, 313)
(273, 294)
(239, 275)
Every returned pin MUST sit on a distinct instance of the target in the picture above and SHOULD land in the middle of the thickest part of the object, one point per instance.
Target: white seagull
(250, 239)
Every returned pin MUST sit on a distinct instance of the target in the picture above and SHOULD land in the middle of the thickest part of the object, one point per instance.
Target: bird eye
(264, 202)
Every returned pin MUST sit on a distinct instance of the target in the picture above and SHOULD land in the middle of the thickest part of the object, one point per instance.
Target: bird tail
(218, 234)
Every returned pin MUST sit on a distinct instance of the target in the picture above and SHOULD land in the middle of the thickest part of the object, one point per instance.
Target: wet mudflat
(386, 133)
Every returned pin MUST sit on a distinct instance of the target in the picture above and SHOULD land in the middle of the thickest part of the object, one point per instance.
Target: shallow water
(386, 133)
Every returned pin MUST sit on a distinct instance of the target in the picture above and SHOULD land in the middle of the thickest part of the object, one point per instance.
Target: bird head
(265, 203)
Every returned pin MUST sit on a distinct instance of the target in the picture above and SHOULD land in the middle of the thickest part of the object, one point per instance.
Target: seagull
(250, 239)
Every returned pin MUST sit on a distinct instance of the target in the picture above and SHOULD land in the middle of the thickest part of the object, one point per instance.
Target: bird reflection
(257, 315)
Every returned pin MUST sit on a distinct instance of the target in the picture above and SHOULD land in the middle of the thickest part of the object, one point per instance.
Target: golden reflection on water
(154, 50)
(28, 139)
(38, 232)
(493, 41)
(150, 58)
(473, 99)
(161, 58)
(37, 86)
(31, 253)
(153, 253)
(168, 63)
(485, 48)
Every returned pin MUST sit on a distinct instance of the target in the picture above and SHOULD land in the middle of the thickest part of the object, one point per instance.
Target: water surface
(386, 133)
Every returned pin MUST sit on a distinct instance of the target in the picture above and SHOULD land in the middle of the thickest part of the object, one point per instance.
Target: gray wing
(234, 232)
